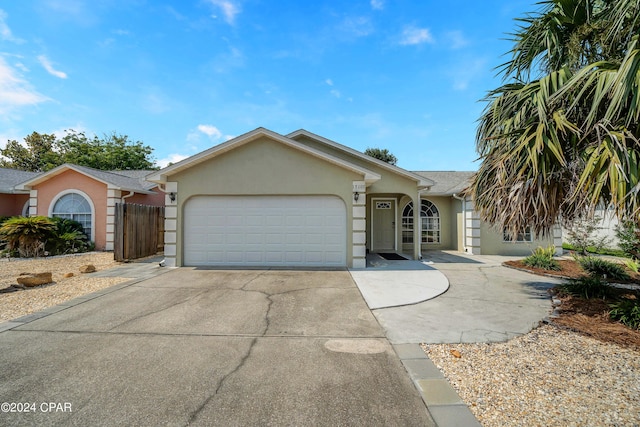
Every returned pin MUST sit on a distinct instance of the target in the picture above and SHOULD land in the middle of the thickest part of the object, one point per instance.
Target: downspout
(464, 220)
(131, 193)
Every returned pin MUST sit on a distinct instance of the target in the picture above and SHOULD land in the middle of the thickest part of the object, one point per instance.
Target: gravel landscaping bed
(548, 377)
(20, 303)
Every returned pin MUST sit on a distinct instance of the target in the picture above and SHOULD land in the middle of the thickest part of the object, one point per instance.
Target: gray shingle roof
(447, 182)
(129, 180)
(9, 178)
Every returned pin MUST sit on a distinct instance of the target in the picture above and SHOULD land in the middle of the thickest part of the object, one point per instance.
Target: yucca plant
(543, 258)
(28, 235)
(603, 268)
(627, 312)
(588, 287)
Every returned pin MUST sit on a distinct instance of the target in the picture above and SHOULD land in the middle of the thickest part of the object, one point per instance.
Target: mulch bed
(588, 316)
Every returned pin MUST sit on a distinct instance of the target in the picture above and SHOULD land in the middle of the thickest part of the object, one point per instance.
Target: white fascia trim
(422, 181)
(160, 176)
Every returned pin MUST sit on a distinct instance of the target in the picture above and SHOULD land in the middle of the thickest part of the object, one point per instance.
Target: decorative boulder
(89, 268)
(67, 275)
(34, 279)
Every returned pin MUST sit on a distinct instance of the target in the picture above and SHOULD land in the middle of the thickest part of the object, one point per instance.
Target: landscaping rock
(67, 275)
(89, 268)
(35, 279)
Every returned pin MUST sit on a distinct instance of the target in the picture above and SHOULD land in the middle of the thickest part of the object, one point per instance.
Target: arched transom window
(429, 221)
(76, 207)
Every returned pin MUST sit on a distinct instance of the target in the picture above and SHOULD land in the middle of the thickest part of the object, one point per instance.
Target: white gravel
(20, 303)
(548, 377)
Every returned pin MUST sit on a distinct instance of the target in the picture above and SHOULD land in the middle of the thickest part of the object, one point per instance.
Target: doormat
(392, 256)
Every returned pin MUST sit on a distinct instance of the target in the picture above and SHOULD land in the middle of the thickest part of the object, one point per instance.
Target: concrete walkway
(386, 283)
(483, 302)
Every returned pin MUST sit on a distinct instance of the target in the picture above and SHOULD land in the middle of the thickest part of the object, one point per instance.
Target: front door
(383, 220)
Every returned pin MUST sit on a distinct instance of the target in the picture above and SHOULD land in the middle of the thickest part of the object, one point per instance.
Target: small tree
(628, 233)
(582, 235)
(27, 234)
(382, 154)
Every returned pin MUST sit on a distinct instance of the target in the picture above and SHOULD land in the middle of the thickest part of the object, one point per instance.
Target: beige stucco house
(81, 193)
(265, 199)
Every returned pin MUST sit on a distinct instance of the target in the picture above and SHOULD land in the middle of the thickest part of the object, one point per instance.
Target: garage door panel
(265, 230)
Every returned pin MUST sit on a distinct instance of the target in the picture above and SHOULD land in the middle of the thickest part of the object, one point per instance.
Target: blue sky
(182, 76)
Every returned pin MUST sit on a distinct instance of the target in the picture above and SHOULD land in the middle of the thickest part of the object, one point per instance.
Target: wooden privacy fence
(139, 231)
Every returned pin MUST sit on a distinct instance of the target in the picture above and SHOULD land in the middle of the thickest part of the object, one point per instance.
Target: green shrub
(627, 312)
(628, 234)
(68, 237)
(603, 268)
(588, 287)
(632, 265)
(582, 235)
(27, 234)
(543, 258)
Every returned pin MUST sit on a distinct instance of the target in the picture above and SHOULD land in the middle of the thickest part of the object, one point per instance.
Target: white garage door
(265, 231)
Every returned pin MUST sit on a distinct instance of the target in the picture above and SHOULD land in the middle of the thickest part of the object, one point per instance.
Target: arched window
(429, 221)
(74, 206)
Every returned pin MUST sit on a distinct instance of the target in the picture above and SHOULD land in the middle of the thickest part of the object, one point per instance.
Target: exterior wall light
(356, 196)
(172, 196)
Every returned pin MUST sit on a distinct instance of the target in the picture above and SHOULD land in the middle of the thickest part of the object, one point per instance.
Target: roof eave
(161, 176)
(420, 180)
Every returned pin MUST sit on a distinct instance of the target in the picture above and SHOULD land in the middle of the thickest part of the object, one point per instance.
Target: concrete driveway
(210, 347)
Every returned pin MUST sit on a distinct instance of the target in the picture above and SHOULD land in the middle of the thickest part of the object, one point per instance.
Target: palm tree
(561, 135)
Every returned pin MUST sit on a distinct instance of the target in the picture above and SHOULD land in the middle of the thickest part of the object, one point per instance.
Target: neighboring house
(13, 202)
(265, 199)
(81, 193)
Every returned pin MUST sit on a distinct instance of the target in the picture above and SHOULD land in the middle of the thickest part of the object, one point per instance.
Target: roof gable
(161, 175)
(447, 182)
(422, 181)
(112, 179)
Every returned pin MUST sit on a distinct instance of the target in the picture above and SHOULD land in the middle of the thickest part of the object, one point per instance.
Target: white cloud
(229, 9)
(358, 26)
(155, 102)
(336, 93)
(171, 158)
(14, 91)
(413, 36)
(49, 67)
(456, 39)
(377, 4)
(469, 70)
(5, 31)
(329, 82)
(210, 131)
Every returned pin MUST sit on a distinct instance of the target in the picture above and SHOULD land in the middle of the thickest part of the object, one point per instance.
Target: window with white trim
(429, 221)
(525, 236)
(76, 207)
